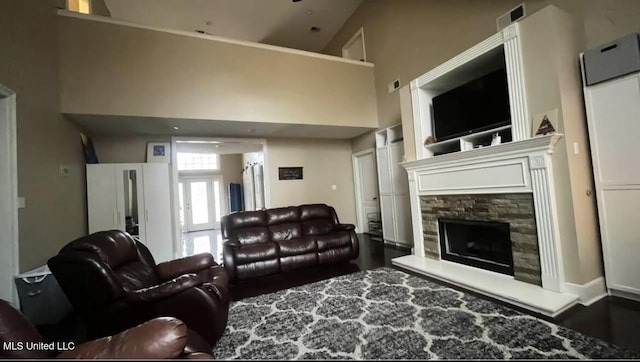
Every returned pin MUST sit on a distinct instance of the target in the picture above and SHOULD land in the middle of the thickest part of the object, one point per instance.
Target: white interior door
(157, 211)
(200, 203)
(367, 189)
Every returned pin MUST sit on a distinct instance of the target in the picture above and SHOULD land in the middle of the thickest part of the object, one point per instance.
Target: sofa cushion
(259, 269)
(317, 227)
(246, 219)
(283, 215)
(257, 252)
(287, 231)
(334, 240)
(298, 261)
(297, 246)
(317, 211)
(252, 235)
(333, 256)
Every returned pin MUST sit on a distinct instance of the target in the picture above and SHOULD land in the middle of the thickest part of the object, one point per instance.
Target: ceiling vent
(511, 17)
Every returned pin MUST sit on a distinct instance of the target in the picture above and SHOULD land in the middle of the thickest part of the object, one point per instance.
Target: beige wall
(55, 210)
(231, 168)
(124, 149)
(324, 162)
(121, 70)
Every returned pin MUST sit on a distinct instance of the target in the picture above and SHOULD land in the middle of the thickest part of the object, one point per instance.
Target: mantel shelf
(539, 143)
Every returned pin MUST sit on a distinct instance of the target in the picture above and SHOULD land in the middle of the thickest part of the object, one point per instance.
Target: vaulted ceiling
(304, 24)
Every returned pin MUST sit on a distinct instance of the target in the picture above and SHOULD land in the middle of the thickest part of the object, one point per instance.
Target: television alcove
(471, 103)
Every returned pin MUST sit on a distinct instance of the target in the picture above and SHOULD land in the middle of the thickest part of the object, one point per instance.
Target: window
(198, 161)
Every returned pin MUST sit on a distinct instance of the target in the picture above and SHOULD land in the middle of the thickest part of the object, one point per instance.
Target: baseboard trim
(590, 292)
(623, 294)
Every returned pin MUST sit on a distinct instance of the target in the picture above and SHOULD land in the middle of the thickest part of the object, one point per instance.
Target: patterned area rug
(388, 314)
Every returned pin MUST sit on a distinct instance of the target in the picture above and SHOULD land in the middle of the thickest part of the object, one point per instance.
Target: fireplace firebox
(481, 244)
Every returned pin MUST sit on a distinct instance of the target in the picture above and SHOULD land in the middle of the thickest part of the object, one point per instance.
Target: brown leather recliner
(158, 338)
(113, 282)
(260, 243)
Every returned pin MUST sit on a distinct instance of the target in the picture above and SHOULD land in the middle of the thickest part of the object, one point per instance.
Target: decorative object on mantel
(89, 151)
(545, 127)
(548, 119)
(289, 173)
(158, 152)
(496, 139)
(430, 140)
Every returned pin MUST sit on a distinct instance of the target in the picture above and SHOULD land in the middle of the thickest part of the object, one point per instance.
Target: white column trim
(416, 216)
(520, 123)
(551, 266)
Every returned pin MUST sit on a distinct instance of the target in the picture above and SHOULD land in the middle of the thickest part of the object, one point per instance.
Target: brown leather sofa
(158, 338)
(260, 243)
(113, 282)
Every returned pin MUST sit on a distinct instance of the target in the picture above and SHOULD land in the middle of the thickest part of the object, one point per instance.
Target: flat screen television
(475, 106)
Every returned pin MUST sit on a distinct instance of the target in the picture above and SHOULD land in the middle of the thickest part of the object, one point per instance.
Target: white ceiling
(275, 22)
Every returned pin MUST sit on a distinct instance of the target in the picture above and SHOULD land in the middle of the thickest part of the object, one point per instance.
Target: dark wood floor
(612, 319)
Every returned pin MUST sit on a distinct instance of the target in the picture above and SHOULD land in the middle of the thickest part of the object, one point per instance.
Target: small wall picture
(289, 173)
(158, 152)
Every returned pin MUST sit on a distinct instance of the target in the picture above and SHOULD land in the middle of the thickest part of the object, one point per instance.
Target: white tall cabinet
(613, 118)
(139, 191)
(394, 187)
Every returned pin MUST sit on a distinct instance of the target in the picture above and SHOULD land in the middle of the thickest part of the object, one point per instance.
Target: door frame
(360, 217)
(358, 36)
(9, 228)
(177, 235)
(210, 179)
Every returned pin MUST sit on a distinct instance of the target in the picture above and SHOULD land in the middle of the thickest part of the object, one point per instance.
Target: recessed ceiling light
(176, 128)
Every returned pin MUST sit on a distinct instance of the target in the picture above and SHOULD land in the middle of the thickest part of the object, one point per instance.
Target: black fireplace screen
(480, 244)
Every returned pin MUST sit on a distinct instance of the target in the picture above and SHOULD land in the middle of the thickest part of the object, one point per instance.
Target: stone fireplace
(514, 210)
(512, 184)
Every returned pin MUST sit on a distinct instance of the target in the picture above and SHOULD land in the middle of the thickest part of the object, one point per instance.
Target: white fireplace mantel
(515, 167)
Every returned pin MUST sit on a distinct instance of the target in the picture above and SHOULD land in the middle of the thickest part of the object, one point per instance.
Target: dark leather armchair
(113, 282)
(158, 338)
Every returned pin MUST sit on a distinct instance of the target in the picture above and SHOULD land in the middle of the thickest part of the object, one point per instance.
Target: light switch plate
(21, 203)
(64, 170)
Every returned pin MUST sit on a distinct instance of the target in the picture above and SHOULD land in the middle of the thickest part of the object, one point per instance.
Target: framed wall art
(158, 152)
(289, 173)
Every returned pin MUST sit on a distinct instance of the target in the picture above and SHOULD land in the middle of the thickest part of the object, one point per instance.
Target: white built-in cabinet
(139, 192)
(394, 187)
(613, 118)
